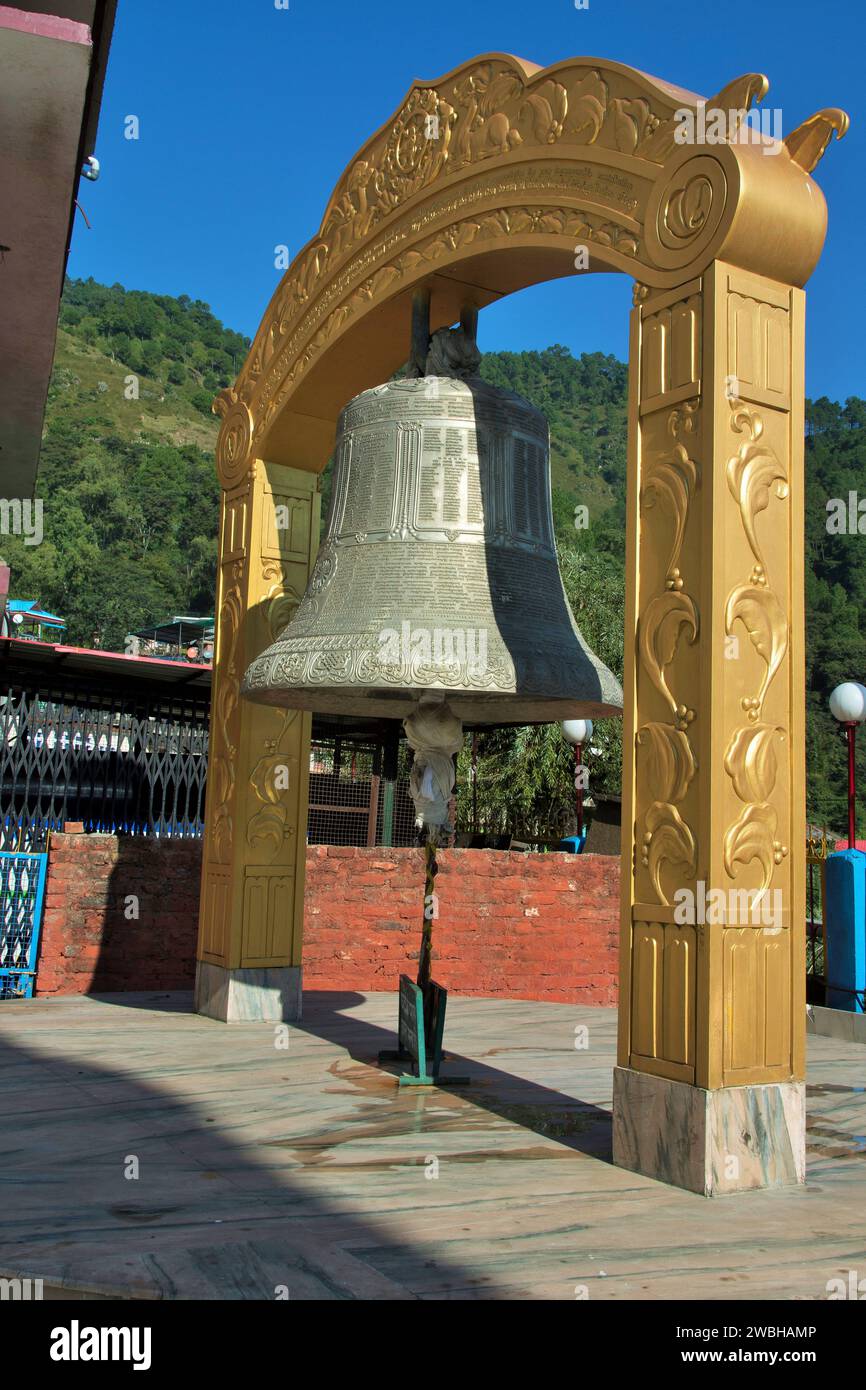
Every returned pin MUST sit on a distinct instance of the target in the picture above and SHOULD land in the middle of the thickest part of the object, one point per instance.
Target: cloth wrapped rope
(435, 734)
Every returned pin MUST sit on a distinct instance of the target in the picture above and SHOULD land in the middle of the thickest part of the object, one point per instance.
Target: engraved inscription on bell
(438, 570)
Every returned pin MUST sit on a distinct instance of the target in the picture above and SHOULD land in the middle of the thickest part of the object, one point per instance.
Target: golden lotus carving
(672, 481)
(751, 761)
(753, 836)
(662, 622)
(670, 761)
(281, 599)
(666, 840)
(763, 617)
(271, 823)
(753, 474)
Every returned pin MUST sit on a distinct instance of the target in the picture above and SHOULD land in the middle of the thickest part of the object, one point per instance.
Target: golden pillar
(252, 888)
(709, 1089)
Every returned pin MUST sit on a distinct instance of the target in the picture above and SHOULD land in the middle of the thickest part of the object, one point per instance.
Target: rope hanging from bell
(435, 735)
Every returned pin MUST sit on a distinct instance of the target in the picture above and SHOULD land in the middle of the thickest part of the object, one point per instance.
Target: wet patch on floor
(384, 1111)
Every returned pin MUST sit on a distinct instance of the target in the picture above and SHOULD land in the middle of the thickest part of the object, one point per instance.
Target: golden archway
(494, 178)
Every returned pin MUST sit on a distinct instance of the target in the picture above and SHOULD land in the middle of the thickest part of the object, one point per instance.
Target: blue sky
(249, 114)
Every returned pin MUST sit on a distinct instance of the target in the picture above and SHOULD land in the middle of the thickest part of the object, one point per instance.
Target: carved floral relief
(754, 474)
(669, 483)
(484, 112)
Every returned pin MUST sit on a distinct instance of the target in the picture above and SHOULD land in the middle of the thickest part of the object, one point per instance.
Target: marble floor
(267, 1171)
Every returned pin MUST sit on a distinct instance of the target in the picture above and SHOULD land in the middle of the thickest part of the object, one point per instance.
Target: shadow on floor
(207, 1218)
(204, 1219)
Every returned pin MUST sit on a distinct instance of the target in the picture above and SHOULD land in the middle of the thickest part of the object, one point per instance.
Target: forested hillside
(126, 472)
(131, 508)
(835, 597)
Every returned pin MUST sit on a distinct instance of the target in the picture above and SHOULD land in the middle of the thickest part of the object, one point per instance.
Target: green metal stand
(420, 1031)
(421, 1024)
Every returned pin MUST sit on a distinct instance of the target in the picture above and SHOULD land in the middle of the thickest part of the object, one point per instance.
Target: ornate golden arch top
(488, 180)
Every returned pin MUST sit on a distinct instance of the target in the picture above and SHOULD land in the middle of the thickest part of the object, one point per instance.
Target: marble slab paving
(264, 1170)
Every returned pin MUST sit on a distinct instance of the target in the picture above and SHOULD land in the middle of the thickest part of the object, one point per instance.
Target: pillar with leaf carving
(709, 1090)
(252, 894)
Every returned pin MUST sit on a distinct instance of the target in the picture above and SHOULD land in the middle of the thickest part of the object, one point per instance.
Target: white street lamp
(848, 705)
(577, 732)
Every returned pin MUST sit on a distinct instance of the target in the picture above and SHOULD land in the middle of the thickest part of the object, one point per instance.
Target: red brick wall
(523, 926)
(89, 945)
(528, 926)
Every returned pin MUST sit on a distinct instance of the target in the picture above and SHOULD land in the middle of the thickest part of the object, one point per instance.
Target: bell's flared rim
(495, 708)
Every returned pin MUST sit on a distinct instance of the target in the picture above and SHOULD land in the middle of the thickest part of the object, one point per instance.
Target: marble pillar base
(711, 1142)
(271, 994)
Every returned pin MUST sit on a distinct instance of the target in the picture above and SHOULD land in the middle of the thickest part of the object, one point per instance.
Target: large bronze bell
(438, 571)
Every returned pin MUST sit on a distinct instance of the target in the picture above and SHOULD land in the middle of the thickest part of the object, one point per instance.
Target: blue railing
(22, 890)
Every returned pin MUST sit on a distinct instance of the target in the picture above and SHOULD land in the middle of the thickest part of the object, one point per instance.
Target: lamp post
(848, 705)
(577, 732)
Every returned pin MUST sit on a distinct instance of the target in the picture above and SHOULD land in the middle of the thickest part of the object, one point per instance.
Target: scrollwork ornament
(751, 473)
(661, 624)
(672, 481)
(671, 762)
(751, 761)
(270, 779)
(282, 601)
(688, 208)
(666, 839)
(753, 837)
(235, 437)
(760, 612)
(685, 211)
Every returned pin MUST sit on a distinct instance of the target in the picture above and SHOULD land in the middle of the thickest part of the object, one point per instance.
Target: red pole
(852, 838)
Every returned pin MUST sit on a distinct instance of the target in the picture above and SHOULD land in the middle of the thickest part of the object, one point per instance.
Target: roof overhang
(52, 662)
(51, 72)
